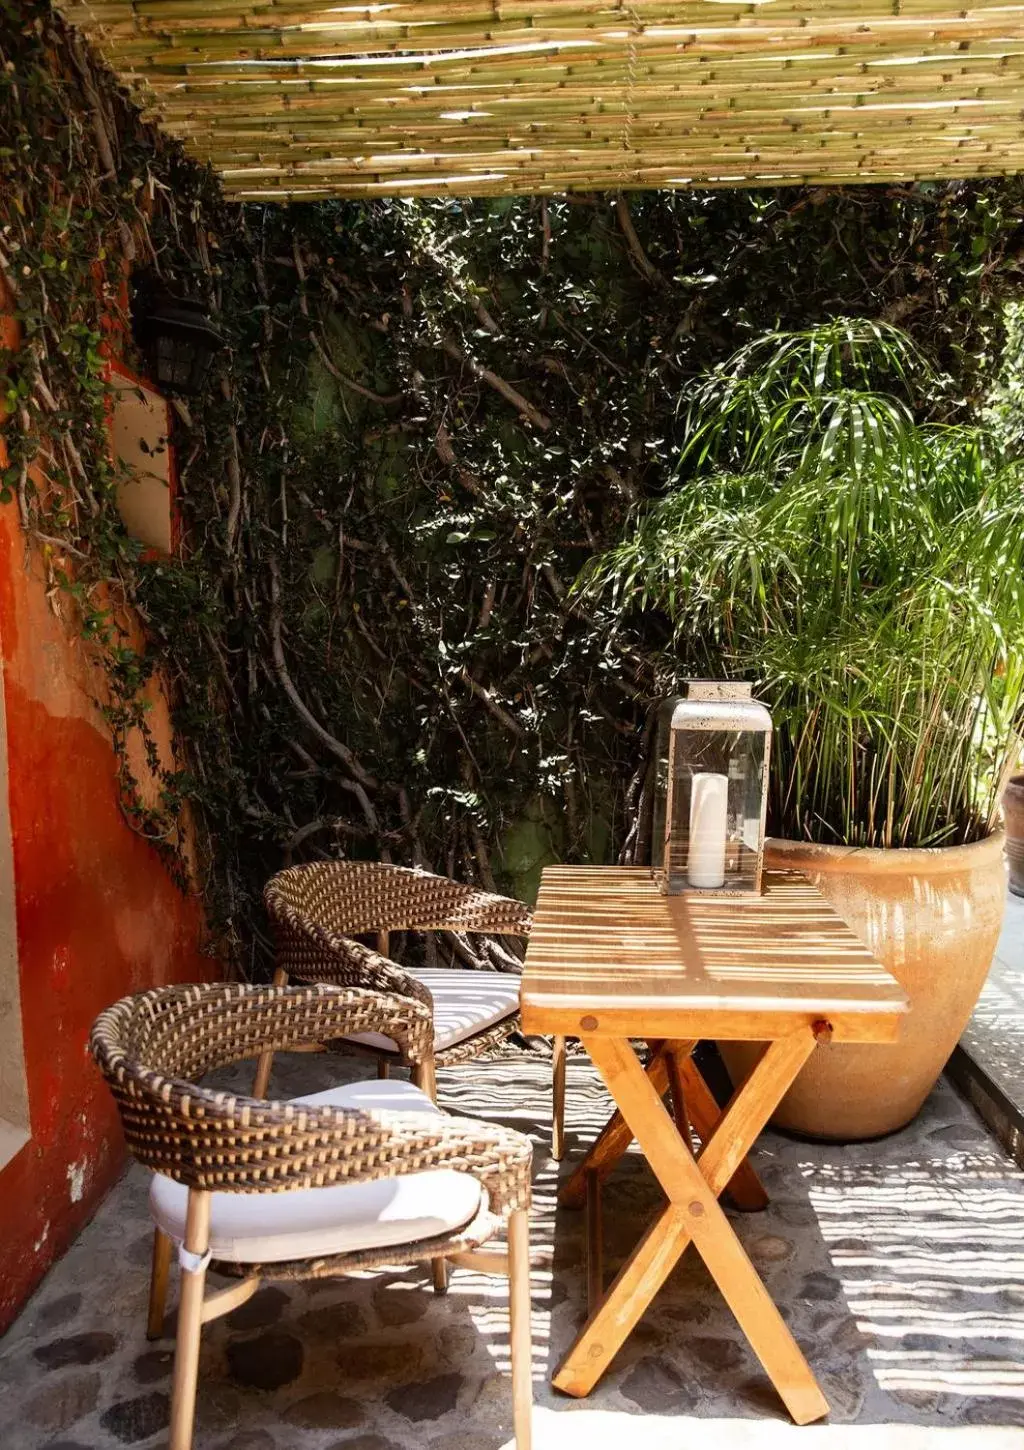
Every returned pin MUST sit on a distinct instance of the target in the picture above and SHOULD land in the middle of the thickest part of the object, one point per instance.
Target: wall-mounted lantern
(179, 340)
(711, 790)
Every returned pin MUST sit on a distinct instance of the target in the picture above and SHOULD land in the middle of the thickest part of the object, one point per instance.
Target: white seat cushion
(314, 1223)
(465, 1003)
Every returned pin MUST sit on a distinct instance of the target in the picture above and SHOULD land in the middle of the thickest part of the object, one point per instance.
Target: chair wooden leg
(519, 1327)
(425, 1078)
(266, 1059)
(190, 1319)
(383, 1067)
(158, 1276)
(558, 1099)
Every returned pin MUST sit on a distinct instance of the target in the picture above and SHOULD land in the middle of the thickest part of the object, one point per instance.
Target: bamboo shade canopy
(290, 99)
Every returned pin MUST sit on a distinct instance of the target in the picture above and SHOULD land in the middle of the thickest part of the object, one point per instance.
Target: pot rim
(782, 853)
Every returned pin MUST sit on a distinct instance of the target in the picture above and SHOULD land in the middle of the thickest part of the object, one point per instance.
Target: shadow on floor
(899, 1266)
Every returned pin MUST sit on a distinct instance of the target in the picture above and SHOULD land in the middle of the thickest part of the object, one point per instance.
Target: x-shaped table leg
(693, 1214)
(669, 1067)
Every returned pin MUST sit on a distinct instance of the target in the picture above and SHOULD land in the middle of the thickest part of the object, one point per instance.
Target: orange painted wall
(98, 916)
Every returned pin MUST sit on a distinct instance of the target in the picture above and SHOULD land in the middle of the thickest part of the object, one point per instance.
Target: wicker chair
(359, 1176)
(317, 909)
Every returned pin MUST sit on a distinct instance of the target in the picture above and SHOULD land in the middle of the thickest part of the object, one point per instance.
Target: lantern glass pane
(662, 739)
(165, 360)
(200, 369)
(714, 810)
(183, 355)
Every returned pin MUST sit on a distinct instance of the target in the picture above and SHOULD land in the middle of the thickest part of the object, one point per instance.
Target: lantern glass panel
(182, 362)
(663, 739)
(711, 765)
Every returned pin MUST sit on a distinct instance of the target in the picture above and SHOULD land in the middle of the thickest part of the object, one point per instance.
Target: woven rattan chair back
(357, 898)
(151, 1048)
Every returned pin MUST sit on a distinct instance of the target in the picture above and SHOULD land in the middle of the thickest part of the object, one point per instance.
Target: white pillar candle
(709, 805)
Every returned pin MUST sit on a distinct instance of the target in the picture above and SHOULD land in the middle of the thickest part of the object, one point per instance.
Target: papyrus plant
(864, 568)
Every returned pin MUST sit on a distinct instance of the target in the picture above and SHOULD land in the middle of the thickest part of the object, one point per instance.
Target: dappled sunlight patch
(930, 1255)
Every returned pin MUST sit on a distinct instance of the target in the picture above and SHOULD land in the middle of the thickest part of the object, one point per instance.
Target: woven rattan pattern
(357, 897)
(150, 1045)
(317, 908)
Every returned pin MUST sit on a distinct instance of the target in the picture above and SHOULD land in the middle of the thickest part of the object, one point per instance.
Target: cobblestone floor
(899, 1264)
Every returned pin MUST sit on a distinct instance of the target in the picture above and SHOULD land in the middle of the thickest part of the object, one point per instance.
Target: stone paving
(899, 1265)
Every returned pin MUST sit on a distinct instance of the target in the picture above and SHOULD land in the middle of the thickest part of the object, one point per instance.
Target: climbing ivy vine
(429, 416)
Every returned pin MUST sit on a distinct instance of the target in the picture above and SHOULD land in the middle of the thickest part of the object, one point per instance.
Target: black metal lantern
(179, 341)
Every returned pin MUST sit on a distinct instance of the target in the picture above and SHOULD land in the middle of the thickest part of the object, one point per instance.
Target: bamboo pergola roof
(289, 99)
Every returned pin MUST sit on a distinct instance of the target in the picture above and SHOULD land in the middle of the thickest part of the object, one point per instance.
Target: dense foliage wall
(431, 414)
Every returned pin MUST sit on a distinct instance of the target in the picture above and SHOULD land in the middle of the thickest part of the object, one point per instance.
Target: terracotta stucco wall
(97, 915)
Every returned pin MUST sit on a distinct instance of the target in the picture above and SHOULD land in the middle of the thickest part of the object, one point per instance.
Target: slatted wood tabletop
(607, 945)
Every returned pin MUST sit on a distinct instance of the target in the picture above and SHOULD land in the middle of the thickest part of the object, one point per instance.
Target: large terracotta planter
(1013, 814)
(933, 918)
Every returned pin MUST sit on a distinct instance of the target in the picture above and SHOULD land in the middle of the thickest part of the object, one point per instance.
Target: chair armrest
(491, 915)
(176, 1034)
(393, 1144)
(314, 953)
(329, 1012)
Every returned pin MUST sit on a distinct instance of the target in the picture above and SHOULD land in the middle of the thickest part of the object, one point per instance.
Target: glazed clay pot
(1013, 814)
(932, 917)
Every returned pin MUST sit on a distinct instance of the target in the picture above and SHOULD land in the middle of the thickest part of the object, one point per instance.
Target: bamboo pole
(534, 45)
(960, 115)
(1002, 85)
(141, 14)
(444, 23)
(241, 98)
(548, 185)
(795, 49)
(700, 82)
(298, 163)
(750, 169)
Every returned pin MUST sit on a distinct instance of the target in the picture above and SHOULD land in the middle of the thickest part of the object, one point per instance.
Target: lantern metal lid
(721, 705)
(711, 790)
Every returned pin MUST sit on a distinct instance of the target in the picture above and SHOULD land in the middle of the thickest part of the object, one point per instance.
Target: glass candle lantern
(711, 790)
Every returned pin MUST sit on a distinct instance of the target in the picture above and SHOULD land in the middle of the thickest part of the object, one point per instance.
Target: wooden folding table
(611, 960)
